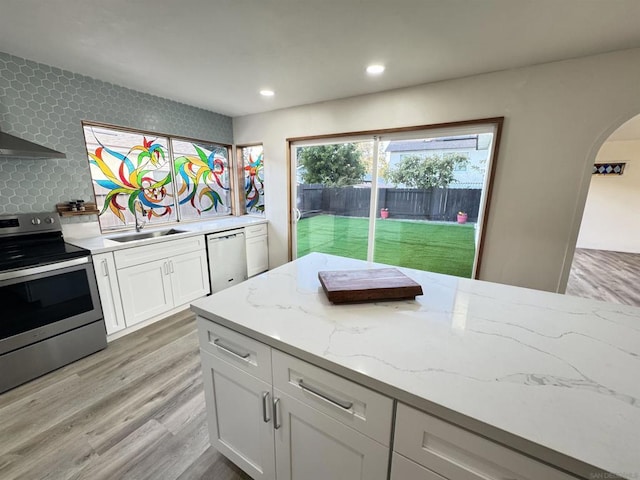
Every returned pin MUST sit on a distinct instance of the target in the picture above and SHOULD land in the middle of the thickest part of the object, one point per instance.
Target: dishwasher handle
(225, 237)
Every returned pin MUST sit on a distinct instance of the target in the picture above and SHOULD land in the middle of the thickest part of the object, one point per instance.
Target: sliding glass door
(333, 198)
(410, 199)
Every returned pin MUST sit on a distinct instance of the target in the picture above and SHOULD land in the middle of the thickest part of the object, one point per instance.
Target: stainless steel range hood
(11, 146)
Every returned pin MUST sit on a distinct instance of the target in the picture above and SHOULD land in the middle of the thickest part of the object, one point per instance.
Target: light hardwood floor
(133, 411)
(603, 275)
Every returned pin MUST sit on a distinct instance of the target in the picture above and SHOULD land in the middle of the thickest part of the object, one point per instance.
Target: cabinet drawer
(149, 253)
(243, 352)
(456, 453)
(354, 405)
(255, 230)
(404, 469)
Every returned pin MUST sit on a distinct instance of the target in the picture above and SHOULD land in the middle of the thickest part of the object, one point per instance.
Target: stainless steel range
(50, 313)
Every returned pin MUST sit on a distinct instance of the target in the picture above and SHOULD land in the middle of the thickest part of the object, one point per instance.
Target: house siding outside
(474, 148)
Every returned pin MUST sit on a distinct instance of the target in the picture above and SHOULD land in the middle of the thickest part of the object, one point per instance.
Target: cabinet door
(109, 291)
(312, 446)
(189, 276)
(239, 417)
(257, 255)
(145, 291)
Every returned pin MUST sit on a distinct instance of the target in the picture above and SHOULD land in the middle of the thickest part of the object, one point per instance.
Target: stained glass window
(253, 162)
(158, 178)
(202, 179)
(127, 167)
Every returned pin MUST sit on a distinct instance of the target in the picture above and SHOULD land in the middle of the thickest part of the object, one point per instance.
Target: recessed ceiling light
(267, 93)
(375, 69)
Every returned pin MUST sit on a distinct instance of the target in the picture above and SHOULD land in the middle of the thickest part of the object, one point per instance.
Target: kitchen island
(552, 377)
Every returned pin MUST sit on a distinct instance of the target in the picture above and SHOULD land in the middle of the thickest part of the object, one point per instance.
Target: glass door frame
(485, 125)
(294, 213)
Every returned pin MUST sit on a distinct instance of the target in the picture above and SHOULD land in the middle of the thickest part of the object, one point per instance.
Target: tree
(366, 148)
(331, 165)
(426, 172)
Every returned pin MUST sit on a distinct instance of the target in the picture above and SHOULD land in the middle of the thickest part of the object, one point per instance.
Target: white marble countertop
(554, 376)
(104, 243)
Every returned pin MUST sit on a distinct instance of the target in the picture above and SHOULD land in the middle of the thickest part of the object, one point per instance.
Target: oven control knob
(49, 220)
(35, 221)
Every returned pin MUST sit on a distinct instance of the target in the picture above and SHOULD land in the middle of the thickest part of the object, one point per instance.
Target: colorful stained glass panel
(202, 179)
(253, 161)
(125, 167)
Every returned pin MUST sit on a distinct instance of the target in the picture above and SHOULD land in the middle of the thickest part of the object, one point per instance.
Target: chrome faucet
(139, 225)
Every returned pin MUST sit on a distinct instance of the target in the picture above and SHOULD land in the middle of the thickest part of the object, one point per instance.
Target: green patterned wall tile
(47, 105)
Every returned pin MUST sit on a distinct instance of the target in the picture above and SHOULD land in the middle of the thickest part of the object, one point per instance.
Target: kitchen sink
(145, 235)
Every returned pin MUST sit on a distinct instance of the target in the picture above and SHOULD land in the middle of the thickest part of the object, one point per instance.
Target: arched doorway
(606, 262)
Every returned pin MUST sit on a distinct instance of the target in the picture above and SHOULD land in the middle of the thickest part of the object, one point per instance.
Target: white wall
(556, 117)
(611, 219)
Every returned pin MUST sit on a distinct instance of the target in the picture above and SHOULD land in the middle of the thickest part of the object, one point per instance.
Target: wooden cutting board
(346, 286)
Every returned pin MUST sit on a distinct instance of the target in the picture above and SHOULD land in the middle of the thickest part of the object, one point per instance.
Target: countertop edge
(201, 229)
(526, 447)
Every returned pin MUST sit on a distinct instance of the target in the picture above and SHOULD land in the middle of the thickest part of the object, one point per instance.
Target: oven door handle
(26, 272)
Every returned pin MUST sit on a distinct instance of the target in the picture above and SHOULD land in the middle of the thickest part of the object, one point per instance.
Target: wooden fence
(441, 204)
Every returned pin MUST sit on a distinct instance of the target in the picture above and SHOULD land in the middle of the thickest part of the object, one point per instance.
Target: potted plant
(384, 213)
(462, 217)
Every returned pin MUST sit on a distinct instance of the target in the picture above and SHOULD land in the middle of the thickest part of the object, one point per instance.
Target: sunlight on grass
(435, 247)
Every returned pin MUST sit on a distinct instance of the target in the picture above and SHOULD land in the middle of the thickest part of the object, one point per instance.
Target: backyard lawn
(436, 247)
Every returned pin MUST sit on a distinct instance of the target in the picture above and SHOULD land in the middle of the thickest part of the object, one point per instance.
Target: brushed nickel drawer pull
(265, 407)
(243, 355)
(325, 396)
(276, 414)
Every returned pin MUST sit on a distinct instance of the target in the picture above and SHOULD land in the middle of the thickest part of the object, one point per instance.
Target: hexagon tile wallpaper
(46, 105)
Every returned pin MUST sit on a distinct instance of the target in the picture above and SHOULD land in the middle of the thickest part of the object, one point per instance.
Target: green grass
(435, 247)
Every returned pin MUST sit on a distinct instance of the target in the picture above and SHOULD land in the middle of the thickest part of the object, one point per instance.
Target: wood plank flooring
(133, 411)
(608, 276)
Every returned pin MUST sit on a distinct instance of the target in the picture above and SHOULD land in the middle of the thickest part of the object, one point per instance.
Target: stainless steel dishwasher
(227, 259)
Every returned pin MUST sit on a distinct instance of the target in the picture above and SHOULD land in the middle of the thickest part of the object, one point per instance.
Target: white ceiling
(217, 54)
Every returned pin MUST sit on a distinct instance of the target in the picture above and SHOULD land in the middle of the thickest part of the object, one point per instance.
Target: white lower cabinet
(239, 414)
(109, 291)
(145, 290)
(189, 275)
(279, 417)
(257, 249)
(154, 280)
(313, 446)
(269, 433)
